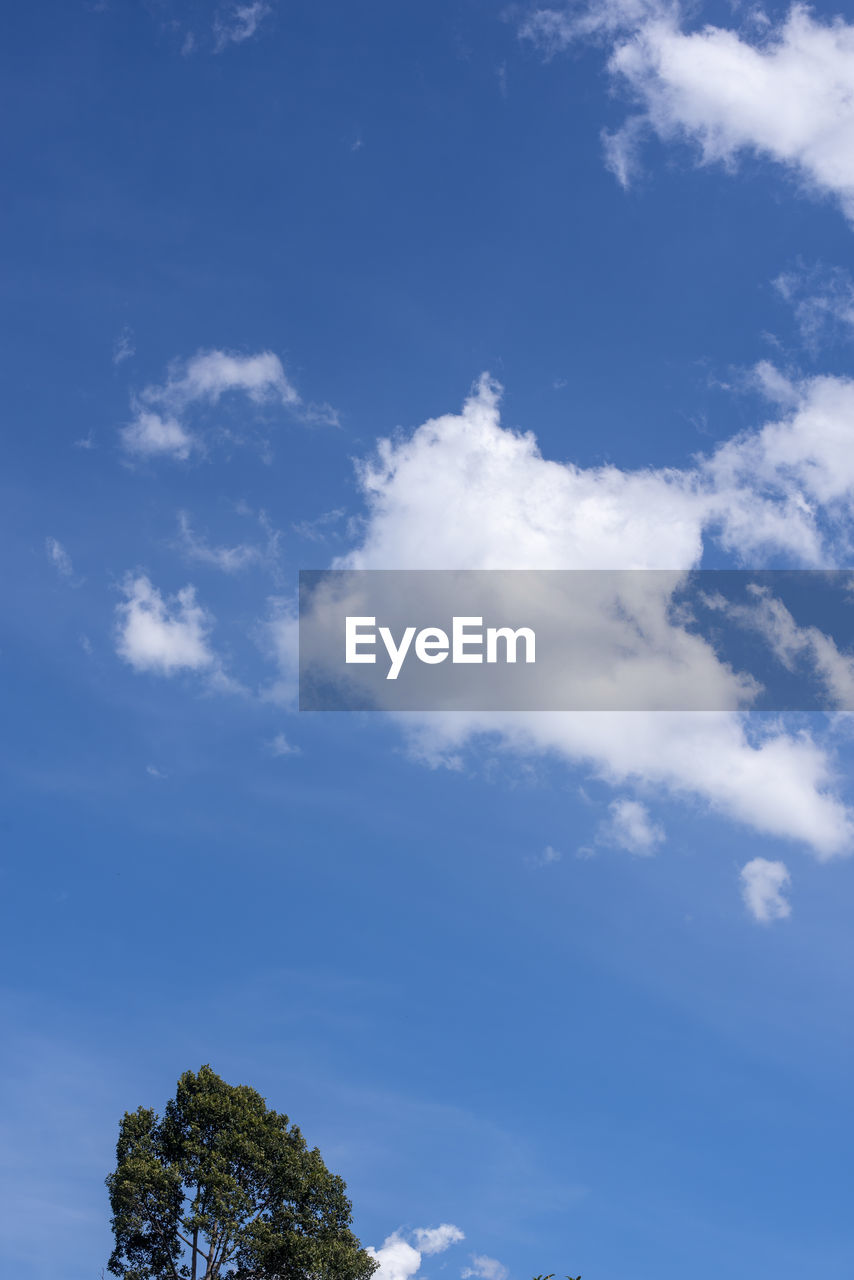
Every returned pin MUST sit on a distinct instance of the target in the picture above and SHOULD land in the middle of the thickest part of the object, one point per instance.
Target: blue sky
(579, 988)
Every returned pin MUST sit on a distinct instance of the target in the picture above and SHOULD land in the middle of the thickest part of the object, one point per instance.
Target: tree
(221, 1182)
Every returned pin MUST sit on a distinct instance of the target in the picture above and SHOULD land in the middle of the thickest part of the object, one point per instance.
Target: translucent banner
(576, 640)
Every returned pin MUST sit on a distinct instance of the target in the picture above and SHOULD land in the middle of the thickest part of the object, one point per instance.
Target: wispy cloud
(762, 886)
(822, 299)
(437, 1239)
(484, 1268)
(150, 435)
(547, 858)
(59, 558)
(629, 826)
(280, 746)
(209, 375)
(233, 559)
(321, 527)
(123, 347)
(240, 23)
(160, 409)
(790, 642)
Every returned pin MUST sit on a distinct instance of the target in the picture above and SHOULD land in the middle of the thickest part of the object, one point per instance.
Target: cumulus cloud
(464, 492)
(59, 557)
(784, 92)
(484, 1268)
(400, 1260)
(790, 485)
(162, 635)
(240, 23)
(160, 409)
(630, 827)
(280, 746)
(503, 506)
(762, 886)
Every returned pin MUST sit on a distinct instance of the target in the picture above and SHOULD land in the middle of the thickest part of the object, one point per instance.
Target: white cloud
(319, 415)
(759, 491)
(463, 492)
(208, 375)
(150, 434)
(786, 94)
(437, 1239)
(504, 506)
(158, 425)
(484, 1268)
(762, 886)
(59, 557)
(783, 485)
(160, 635)
(241, 23)
(630, 827)
(400, 1260)
(281, 747)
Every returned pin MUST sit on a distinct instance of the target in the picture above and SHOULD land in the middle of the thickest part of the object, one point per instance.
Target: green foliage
(222, 1182)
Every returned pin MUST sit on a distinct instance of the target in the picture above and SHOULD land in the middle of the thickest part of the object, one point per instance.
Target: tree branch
(190, 1245)
(164, 1235)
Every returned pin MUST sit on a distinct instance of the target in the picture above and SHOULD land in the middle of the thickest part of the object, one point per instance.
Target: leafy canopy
(221, 1186)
